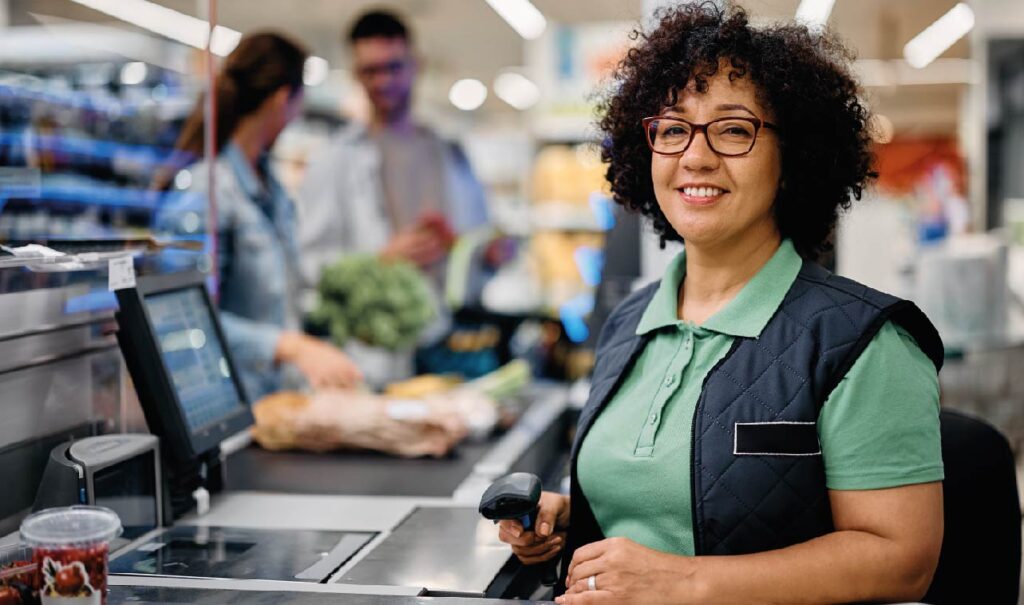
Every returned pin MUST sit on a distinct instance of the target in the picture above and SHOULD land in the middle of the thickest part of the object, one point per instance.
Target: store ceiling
(466, 38)
(468, 35)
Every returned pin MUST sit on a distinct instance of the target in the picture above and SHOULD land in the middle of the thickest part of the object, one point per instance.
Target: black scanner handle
(517, 496)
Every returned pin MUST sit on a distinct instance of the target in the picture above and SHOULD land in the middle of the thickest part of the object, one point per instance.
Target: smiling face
(712, 200)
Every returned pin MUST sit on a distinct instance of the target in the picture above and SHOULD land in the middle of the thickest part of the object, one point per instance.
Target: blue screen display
(194, 356)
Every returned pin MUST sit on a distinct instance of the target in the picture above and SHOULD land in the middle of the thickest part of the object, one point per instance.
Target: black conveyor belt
(352, 473)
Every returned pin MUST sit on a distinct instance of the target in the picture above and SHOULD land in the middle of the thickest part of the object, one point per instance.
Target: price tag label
(121, 272)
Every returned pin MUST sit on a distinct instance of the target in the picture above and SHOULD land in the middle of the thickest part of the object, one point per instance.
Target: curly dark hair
(802, 76)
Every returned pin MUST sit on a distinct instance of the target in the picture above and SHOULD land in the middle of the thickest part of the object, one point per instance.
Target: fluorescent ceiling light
(522, 16)
(315, 71)
(814, 12)
(168, 23)
(897, 72)
(939, 36)
(133, 73)
(224, 39)
(468, 94)
(517, 90)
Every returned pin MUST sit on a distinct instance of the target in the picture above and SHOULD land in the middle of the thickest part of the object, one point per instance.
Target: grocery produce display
(384, 304)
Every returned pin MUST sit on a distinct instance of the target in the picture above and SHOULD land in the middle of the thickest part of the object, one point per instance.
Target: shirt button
(654, 418)
(670, 380)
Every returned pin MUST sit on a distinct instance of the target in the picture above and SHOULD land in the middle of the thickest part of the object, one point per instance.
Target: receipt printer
(120, 472)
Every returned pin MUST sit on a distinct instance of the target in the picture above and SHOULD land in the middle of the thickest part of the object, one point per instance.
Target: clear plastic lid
(73, 525)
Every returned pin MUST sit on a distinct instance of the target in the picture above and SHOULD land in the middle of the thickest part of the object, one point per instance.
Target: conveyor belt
(533, 445)
(351, 473)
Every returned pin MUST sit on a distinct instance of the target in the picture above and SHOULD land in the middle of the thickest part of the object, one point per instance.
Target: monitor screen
(194, 356)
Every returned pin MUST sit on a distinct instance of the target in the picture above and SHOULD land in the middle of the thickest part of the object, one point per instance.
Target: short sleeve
(880, 426)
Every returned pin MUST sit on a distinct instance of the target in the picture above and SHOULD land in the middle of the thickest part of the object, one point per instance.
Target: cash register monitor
(178, 358)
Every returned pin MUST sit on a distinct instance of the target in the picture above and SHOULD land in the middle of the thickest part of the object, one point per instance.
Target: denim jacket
(257, 259)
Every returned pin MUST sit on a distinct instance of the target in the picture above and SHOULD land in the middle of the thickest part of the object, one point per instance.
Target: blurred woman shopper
(258, 92)
(758, 429)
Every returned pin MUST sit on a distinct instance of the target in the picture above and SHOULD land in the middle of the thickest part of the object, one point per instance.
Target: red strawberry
(69, 581)
(9, 596)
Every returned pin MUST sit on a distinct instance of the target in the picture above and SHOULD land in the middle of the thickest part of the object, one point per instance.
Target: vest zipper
(698, 537)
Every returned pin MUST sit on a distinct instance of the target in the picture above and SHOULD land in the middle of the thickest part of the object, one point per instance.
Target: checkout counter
(232, 522)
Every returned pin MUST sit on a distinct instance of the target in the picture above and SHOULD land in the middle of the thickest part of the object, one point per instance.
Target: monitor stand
(184, 478)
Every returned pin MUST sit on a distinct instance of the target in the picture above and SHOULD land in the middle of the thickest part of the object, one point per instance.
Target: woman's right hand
(320, 363)
(548, 540)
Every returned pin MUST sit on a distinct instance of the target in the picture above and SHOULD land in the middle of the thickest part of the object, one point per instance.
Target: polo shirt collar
(746, 315)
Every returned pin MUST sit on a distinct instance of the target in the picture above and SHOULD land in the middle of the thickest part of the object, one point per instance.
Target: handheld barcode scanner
(517, 496)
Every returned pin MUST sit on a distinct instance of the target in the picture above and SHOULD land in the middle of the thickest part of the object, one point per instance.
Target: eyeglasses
(729, 137)
(389, 68)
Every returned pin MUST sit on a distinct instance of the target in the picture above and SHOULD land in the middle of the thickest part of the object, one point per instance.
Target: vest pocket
(782, 438)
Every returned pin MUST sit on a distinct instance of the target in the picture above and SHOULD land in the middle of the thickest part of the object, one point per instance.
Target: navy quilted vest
(758, 477)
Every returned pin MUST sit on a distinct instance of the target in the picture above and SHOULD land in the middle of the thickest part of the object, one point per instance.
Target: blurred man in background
(391, 187)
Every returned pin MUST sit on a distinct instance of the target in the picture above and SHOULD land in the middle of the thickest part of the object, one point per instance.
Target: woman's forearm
(840, 567)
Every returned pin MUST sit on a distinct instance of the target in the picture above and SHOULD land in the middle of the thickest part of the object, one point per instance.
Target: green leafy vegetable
(384, 304)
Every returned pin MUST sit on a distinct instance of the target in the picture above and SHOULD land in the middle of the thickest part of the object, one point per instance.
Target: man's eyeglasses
(729, 137)
(389, 68)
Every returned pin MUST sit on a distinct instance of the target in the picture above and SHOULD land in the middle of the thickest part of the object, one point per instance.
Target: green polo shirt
(879, 428)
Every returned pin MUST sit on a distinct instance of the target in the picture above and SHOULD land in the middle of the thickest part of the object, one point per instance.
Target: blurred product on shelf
(79, 149)
(555, 256)
(564, 179)
(469, 351)
(562, 173)
(421, 386)
(961, 284)
(1014, 215)
(927, 173)
(514, 289)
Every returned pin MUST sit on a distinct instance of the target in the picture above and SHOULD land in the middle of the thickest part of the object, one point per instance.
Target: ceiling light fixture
(814, 13)
(939, 36)
(468, 94)
(522, 16)
(315, 71)
(168, 23)
(133, 73)
(897, 72)
(517, 90)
